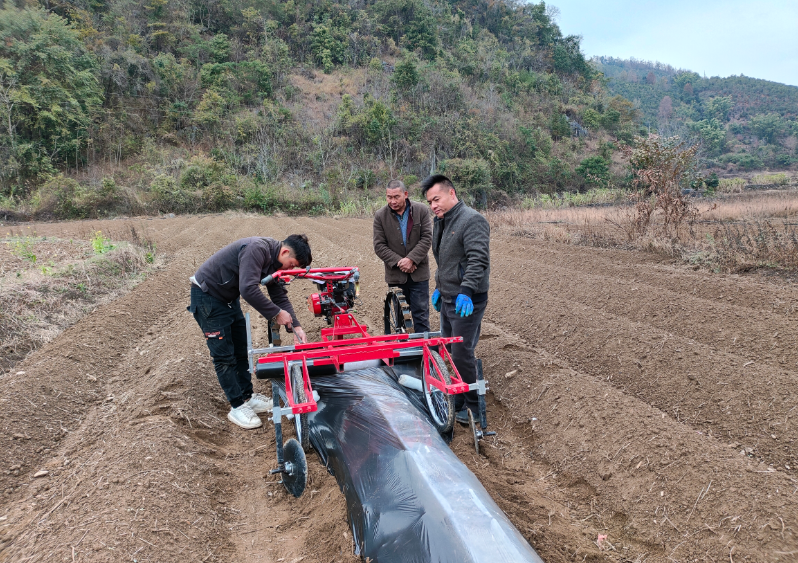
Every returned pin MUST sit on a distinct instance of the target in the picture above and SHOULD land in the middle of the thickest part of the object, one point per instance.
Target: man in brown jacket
(402, 239)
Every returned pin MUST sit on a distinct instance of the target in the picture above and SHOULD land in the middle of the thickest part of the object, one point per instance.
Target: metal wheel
(439, 404)
(295, 474)
(300, 420)
(398, 319)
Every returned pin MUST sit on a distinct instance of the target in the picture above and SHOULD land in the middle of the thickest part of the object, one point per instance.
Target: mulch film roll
(409, 498)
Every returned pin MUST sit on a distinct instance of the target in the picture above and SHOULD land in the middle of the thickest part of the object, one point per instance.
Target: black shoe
(462, 416)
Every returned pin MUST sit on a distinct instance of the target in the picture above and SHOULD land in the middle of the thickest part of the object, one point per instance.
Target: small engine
(334, 298)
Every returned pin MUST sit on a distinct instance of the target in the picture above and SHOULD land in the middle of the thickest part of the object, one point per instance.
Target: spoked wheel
(398, 319)
(295, 475)
(439, 404)
(300, 420)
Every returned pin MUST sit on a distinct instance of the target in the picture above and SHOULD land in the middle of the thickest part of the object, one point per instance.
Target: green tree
(712, 134)
(559, 127)
(684, 78)
(595, 170)
(409, 22)
(591, 118)
(405, 74)
(327, 48)
(219, 48)
(471, 177)
(48, 92)
(719, 107)
(767, 126)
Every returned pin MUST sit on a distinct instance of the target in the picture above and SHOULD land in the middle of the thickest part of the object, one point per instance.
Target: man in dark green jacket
(236, 271)
(402, 238)
(461, 246)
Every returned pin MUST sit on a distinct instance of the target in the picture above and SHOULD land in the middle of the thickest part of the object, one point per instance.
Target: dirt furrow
(722, 394)
(762, 334)
(655, 271)
(643, 466)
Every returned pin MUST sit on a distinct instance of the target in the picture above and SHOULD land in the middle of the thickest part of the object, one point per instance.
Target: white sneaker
(260, 403)
(245, 417)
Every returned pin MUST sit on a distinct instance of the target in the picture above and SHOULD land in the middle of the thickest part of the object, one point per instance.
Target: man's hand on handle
(299, 336)
(283, 318)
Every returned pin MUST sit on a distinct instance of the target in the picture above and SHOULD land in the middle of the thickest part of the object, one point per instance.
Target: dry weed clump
(739, 247)
(48, 284)
(731, 185)
(732, 234)
(780, 179)
(661, 168)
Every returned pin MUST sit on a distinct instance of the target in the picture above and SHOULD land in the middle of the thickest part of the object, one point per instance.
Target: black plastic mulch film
(409, 498)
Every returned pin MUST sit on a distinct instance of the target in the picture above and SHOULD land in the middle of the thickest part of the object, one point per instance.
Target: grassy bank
(48, 284)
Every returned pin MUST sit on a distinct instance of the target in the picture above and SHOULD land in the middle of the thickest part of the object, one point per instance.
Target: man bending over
(235, 271)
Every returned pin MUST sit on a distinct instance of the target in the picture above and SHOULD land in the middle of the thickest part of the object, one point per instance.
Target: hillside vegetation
(120, 106)
(742, 123)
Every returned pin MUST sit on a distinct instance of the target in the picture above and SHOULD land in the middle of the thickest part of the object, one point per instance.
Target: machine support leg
(249, 345)
(482, 389)
(278, 428)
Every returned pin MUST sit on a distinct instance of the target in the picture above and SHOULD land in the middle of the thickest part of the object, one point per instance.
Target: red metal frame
(344, 324)
(335, 350)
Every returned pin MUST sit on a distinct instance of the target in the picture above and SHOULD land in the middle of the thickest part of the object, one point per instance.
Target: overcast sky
(719, 38)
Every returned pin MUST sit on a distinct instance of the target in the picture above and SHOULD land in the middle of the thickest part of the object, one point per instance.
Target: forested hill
(181, 105)
(742, 122)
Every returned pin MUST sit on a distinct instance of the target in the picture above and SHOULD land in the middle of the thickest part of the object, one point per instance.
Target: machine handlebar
(319, 274)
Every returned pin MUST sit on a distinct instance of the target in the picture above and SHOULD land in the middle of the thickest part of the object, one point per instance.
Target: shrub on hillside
(471, 178)
(59, 197)
(218, 197)
(168, 197)
(595, 170)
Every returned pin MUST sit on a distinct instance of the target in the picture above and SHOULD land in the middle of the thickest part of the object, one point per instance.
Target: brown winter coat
(389, 247)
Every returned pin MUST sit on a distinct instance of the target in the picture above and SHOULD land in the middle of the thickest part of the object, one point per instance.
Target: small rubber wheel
(472, 423)
(398, 319)
(300, 420)
(295, 478)
(439, 404)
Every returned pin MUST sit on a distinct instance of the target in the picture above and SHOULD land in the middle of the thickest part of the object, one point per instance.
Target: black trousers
(417, 295)
(469, 328)
(226, 335)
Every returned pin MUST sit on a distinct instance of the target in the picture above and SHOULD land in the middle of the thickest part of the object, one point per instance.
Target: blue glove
(464, 306)
(436, 300)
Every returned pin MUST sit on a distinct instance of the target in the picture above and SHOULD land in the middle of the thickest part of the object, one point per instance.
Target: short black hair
(300, 248)
(393, 184)
(433, 180)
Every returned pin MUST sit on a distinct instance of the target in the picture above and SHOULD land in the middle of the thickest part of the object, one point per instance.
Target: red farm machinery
(422, 360)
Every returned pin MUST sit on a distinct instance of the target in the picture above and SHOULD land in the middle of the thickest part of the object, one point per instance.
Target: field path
(632, 398)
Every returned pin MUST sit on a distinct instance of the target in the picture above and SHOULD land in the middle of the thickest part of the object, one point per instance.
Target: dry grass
(734, 233)
(48, 284)
(320, 96)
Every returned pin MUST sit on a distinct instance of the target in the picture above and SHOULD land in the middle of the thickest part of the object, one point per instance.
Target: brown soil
(632, 398)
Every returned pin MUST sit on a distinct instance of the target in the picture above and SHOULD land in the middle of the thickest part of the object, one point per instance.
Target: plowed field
(633, 398)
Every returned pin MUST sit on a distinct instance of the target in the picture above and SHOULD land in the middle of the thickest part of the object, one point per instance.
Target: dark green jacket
(461, 246)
